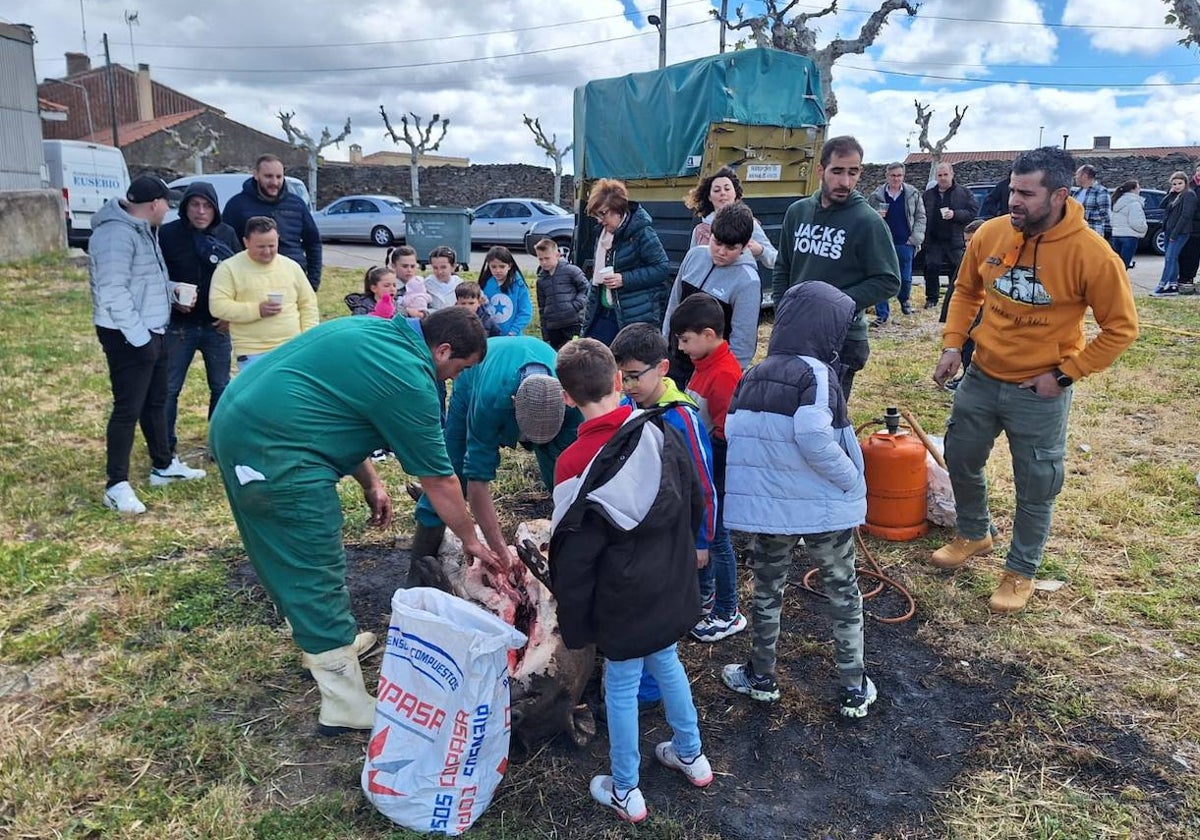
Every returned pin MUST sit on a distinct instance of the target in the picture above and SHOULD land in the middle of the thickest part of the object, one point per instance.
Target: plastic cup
(275, 297)
(601, 274)
(186, 294)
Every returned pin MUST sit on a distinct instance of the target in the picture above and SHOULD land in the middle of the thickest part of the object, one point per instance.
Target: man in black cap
(131, 306)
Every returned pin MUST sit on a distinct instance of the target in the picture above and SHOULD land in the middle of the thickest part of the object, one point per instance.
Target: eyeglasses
(632, 378)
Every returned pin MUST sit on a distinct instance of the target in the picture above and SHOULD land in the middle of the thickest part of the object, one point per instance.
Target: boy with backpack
(627, 505)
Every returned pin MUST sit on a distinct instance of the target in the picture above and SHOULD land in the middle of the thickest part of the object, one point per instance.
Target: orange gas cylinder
(894, 461)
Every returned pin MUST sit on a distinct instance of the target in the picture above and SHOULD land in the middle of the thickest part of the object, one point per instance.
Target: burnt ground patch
(793, 769)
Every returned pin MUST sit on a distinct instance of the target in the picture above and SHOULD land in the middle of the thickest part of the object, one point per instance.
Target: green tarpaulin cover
(648, 125)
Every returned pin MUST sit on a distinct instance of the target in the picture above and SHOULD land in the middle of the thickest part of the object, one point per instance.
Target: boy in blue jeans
(698, 323)
(627, 504)
(796, 469)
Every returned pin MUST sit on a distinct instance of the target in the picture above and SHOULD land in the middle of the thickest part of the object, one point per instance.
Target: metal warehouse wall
(21, 160)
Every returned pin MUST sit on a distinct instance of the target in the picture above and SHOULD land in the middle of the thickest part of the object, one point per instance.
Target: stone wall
(443, 186)
(237, 148)
(32, 223)
(1112, 171)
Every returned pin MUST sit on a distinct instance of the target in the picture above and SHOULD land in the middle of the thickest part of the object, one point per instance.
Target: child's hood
(811, 320)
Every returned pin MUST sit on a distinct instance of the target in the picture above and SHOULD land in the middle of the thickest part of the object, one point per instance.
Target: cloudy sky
(1026, 68)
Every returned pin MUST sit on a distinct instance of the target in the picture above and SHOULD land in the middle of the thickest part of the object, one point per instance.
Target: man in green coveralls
(512, 398)
(312, 411)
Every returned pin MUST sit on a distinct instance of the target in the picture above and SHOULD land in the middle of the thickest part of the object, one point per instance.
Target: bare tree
(202, 144)
(550, 147)
(1186, 15)
(771, 30)
(301, 140)
(935, 150)
(417, 146)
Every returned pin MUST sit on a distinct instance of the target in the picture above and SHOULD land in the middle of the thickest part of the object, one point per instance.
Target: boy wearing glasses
(641, 353)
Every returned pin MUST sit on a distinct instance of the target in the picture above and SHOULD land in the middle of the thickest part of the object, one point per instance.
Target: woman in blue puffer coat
(631, 274)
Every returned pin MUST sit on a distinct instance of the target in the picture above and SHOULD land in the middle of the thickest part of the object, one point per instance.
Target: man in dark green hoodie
(834, 236)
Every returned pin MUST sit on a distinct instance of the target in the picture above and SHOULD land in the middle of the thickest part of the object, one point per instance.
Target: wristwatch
(1062, 379)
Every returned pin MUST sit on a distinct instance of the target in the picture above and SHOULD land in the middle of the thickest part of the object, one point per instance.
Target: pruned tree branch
(924, 114)
(422, 143)
(303, 140)
(550, 147)
(770, 29)
(204, 142)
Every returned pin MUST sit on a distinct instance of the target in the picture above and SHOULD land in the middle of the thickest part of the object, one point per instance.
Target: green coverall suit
(481, 418)
(290, 427)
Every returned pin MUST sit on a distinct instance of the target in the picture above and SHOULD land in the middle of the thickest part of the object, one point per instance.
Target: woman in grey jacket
(1128, 220)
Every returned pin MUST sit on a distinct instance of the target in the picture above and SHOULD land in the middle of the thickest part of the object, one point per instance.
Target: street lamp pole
(660, 21)
(87, 104)
(1041, 128)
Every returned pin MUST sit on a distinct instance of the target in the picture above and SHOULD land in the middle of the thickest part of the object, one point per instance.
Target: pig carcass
(547, 679)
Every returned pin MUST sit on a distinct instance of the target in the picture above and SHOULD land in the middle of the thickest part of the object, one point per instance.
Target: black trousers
(556, 337)
(1189, 259)
(940, 258)
(853, 358)
(139, 387)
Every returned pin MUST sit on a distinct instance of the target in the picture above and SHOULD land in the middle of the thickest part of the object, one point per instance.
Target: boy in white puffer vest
(794, 469)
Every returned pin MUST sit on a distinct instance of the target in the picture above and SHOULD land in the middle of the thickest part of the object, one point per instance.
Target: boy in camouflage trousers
(794, 469)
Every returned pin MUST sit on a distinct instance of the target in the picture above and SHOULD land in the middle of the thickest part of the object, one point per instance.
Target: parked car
(505, 221)
(559, 228)
(981, 192)
(227, 185)
(378, 219)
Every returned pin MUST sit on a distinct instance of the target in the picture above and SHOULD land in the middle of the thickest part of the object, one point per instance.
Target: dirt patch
(793, 769)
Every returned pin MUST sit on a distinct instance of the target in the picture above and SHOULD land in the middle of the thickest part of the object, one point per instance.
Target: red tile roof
(135, 131)
(1140, 151)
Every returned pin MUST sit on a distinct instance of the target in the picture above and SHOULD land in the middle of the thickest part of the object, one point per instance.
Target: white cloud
(1141, 28)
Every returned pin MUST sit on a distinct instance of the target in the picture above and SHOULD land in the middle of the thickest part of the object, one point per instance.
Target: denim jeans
(621, 680)
(1036, 428)
(1170, 272)
(138, 376)
(1126, 246)
(905, 254)
(719, 578)
(183, 340)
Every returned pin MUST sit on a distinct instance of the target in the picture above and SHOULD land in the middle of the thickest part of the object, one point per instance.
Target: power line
(920, 16)
(421, 64)
(1096, 85)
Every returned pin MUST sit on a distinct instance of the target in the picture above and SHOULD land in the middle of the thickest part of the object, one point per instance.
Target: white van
(227, 185)
(89, 174)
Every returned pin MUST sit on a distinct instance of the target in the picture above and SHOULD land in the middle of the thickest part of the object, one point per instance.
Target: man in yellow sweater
(265, 297)
(1035, 272)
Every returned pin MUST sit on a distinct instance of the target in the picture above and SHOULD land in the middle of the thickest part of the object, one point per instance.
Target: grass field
(143, 697)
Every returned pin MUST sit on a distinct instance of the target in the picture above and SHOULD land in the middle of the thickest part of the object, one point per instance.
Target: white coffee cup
(186, 294)
(947, 213)
(602, 273)
(275, 297)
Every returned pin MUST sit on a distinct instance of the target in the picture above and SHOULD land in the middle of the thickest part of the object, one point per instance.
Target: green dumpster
(425, 228)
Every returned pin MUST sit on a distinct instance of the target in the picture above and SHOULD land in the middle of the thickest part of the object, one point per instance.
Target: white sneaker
(631, 807)
(175, 471)
(121, 498)
(697, 770)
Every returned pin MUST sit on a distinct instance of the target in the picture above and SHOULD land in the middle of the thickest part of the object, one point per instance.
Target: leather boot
(954, 553)
(345, 703)
(1012, 594)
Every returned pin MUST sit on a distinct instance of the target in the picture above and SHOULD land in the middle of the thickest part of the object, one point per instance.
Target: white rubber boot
(345, 704)
(363, 644)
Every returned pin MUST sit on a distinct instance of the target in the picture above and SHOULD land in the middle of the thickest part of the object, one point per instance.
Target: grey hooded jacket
(130, 289)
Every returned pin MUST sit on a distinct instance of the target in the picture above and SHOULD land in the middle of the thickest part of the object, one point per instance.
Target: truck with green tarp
(758, 111)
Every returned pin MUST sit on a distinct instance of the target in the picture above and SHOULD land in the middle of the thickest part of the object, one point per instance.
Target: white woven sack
(440, 743)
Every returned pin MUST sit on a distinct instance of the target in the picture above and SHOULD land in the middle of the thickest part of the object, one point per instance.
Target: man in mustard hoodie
(1035, 272)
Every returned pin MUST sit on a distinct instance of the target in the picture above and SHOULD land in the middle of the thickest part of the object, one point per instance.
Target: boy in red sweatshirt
(698, 323)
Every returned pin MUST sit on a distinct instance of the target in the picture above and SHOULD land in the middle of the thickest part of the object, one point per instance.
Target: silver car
(378, 219)
(504, 221)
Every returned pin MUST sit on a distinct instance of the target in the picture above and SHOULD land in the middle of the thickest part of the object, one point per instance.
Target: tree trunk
(312, 175)
(414, 179)
(558, 181)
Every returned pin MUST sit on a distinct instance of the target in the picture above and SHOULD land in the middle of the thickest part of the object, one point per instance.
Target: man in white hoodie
(131, 306)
